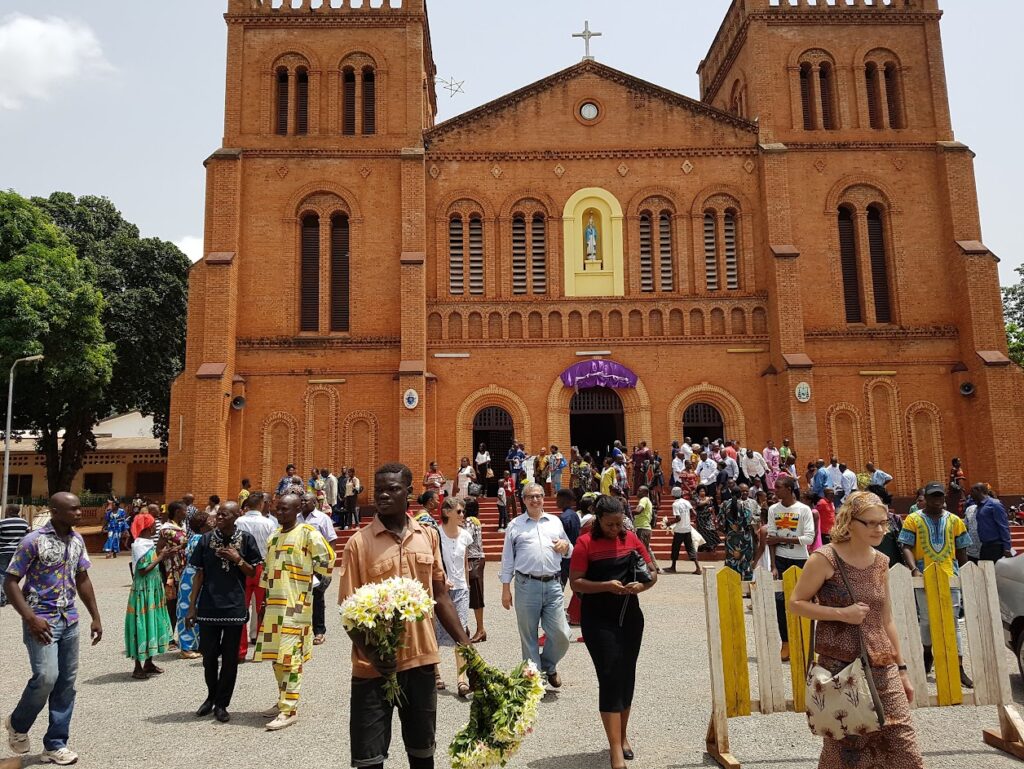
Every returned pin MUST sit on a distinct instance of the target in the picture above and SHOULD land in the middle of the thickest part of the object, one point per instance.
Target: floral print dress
(739, 536)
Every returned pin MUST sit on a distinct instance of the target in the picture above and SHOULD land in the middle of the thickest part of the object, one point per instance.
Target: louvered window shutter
(476, 256)
(710, 253)
(340, 273)
(302, 102)
(456, 256)
(281, 124)
(309, 279)
(805, 96)
(348, 101)
(369, 101)
(893, 96)
(732, 268)
(666, 281)
(825, 81)
(519, 254)
(646, 258)
(879, 267)
(848, 263)
(539, 254)
(874, 97)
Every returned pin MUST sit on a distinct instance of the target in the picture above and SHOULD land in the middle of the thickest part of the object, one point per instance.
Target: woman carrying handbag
(858, 692)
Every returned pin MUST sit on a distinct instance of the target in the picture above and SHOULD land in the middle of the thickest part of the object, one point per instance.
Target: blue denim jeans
(540, 603)
(54, 669)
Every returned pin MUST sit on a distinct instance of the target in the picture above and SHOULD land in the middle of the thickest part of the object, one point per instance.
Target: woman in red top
(602, 573)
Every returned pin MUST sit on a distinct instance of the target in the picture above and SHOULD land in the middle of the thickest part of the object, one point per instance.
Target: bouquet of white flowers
(380, 610)
(502, 713)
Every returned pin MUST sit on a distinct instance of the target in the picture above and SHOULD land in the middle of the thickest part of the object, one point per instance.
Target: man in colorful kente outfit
(295, 553)
(935, 535)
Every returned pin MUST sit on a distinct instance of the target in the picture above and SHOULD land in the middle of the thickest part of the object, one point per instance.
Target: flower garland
(380, 610)
(502, 713)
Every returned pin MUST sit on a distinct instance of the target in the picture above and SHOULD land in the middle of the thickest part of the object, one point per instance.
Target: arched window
(369, 101)
(666, 280)
(476, 256)
(826, 85)
(646, 255)
(302, 102)
(340, 238)
(805, 95)
(710, 252)
(348, 101)
(309, 274)
(848, 264)
(894, 95)
(732, 270)
(529, 253)
(456, 255)
(281, 102)
(874, 88)
(879, 265)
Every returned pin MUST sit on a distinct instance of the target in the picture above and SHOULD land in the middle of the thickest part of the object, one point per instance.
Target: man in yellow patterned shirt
(296, 553)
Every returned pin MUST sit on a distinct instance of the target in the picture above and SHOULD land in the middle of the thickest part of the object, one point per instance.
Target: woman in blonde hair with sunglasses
(822, 595)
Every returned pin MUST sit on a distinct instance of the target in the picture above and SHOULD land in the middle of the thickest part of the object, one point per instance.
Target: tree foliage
(48, 305)
(107, 309)
(1013, 312)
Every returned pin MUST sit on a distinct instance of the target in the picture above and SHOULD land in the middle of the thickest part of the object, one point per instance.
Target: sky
(126, 99)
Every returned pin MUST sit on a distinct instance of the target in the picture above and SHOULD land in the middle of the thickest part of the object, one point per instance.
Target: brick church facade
(798, 253)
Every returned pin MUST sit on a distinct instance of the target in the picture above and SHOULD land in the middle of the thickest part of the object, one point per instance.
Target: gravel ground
(120, 722)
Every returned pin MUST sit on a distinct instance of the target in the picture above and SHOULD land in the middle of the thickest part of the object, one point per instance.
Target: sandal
(478, 639)
(317, 640)
(464, 690)
(152, 670)
(439, 685)
(143, 676)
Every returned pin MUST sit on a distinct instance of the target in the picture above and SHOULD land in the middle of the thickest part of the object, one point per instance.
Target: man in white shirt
(754, 467)
(731, 467)
(682, 534)
(678, 468)
(686, 450)
(847, 484)
(535, 543)
(330, 490)
(835, 475)
(707, 469)
(790, 531)
(322, 523)
(878, 477)
(261, 528)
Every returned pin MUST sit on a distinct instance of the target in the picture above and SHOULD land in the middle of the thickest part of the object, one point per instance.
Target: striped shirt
(11, 532)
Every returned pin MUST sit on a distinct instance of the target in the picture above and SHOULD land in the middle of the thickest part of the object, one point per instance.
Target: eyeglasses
(533, 496)
(872, 524)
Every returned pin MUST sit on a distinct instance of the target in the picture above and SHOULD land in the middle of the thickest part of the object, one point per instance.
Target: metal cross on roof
(453, 86)
(586, 34)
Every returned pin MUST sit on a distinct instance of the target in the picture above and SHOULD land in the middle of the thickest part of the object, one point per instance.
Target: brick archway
(726, 403)
(636, 410)
(482, 398)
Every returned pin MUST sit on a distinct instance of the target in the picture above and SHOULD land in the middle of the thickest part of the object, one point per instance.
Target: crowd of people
(208, 582)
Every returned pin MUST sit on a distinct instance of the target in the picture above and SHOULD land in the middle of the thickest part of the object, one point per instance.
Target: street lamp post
(7, 434)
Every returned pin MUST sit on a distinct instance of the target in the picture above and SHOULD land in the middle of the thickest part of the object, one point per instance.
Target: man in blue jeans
(53, 562)
(535, 544)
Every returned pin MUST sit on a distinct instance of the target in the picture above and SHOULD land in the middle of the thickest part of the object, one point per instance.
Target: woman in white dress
(454, 543)
(466, 475)
(483, 465)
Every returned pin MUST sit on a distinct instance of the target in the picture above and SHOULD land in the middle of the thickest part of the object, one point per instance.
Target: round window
(588, 111)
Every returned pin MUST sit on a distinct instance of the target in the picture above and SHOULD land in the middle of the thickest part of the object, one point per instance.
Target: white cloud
(39, 55)
(192, 246)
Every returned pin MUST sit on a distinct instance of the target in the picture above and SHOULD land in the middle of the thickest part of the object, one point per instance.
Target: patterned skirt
(893, 747)
(188, 638)
(147, 628)
(460, 598)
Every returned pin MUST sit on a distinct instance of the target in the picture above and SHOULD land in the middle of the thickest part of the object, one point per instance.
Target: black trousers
(783, 564)
(319, 611)
(614, 650)
(678, 540)
(219, 647)
(991, 551)
(370, 719)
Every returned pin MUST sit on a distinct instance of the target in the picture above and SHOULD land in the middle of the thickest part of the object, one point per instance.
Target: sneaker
(271, 712)
(283, 720)
(18, 741)
(61, 756)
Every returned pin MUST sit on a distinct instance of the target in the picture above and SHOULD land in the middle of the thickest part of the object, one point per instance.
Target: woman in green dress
(147, 628)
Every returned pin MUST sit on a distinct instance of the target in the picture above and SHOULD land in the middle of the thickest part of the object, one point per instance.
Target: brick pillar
(412, 370)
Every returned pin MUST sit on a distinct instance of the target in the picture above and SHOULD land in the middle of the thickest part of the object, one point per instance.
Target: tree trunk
(63, 461)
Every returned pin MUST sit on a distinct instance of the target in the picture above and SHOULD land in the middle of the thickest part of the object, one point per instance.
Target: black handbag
(638, 567)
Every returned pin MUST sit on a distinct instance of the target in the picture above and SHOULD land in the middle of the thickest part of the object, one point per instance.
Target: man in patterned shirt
(54, 565)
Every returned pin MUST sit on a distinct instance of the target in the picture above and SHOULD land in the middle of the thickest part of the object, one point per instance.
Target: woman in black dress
(604, 573)
(704, 506)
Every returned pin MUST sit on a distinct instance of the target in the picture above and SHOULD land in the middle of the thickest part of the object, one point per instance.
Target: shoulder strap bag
(845, 704)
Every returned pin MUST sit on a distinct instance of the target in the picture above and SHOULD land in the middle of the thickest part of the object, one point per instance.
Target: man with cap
(936, 536)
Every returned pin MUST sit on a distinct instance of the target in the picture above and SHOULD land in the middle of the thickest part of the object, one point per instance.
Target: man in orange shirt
(395, 545)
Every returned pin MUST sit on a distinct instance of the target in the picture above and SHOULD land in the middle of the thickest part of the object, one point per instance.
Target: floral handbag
(845, 704)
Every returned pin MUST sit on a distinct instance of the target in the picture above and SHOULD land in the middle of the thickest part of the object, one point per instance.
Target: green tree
(145, 285)
(48, 305)
(1013, 313)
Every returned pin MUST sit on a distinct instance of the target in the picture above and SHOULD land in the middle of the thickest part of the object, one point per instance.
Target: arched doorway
(596, 420)
(702, 420)
(493, 427)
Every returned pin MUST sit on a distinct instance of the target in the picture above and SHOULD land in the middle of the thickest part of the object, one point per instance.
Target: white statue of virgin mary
(590, 240)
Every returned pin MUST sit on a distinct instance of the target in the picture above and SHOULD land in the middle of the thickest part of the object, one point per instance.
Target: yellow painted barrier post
(734, 643)
(943, 631)
(799, 641)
